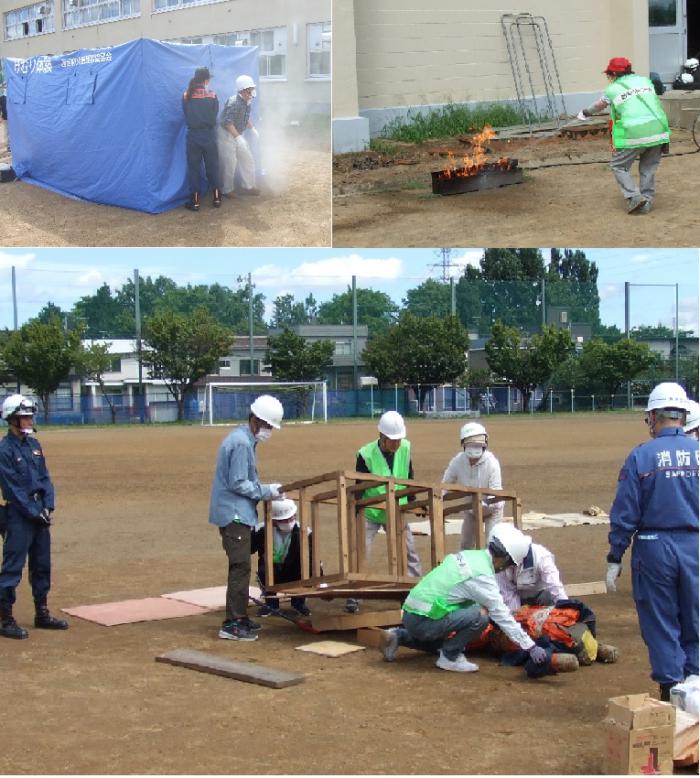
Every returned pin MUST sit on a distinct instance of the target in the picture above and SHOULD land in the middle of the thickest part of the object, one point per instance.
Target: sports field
(131, 521)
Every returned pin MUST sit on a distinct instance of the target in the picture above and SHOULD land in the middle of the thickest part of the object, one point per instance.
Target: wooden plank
(304, 515)
(343, 551)
(316, 538)
(269, 545)
(240, 671)
(329, 497)
(370, 579)
(308, 582)
(594, 587)
(437, 529)
(372, 637)
(315, 481)
(390, 528)
(478, 514)
(356, 620)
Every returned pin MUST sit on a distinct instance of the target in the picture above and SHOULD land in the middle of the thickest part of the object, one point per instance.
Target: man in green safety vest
(639, 131)
(390, 455)
(453, 603)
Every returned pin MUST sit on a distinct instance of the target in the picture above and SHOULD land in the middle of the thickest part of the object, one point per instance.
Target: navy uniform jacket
(657, 489)
(201, 109)
(24, 477)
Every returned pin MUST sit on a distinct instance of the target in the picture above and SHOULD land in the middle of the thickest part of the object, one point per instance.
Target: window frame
(326, 26)
(69, 10)
(38, 16)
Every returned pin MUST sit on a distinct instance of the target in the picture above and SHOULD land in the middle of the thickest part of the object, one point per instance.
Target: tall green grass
(450, 121)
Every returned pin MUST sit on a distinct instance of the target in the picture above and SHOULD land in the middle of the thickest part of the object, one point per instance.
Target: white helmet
(692, 420)
(512, 540)
(17, 405)
(667, 395)
(392, 426)
(691, 64)
(269, 409)
(244, 82)
(473, 429)
(283, 509)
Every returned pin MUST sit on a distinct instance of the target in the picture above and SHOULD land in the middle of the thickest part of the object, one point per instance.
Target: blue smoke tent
(106, 125)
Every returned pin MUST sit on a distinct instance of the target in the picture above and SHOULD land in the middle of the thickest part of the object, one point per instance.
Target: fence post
(509, 399)
(592, 402)
(612, 402)
(572, 399)
(488, 400)
(551, 401)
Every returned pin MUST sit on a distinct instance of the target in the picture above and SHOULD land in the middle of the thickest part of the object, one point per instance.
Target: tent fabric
(106, 125)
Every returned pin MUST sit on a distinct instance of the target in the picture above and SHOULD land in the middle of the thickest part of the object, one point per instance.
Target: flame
(472, 165)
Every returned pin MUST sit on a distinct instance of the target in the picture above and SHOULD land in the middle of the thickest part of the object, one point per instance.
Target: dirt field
(294, 210)
(389, 201)
(131, 522)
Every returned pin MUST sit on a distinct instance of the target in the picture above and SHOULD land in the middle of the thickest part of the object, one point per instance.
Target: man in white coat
(475, 466)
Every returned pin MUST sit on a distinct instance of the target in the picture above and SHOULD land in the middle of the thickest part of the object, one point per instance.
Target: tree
(293, 359)
(289, 313)
(526, 362)
(93, 362)
(606, 367)
(476, 379)
(181, 349)
(420, 352)
(101, 315)
(375, 309)
(41, 354)
(431, 298)
(572, 282)
(659, 332)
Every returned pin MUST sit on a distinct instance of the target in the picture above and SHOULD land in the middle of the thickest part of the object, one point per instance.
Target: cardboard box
(639, 734)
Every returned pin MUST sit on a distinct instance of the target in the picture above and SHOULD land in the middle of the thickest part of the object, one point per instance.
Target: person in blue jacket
(656, 504)
(28, 491)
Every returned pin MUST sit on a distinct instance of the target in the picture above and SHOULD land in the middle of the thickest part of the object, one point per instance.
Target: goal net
(303, 402)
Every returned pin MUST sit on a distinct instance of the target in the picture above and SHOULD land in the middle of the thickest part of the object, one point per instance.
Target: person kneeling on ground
(451, 605)
(286, 555)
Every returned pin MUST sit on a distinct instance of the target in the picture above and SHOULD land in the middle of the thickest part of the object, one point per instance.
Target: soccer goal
(303, 402)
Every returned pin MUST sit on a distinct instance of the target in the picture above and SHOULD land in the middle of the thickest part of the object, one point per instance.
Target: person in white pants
(475, 466)
(234, 149)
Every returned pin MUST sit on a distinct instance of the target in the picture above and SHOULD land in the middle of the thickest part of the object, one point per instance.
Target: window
(245, 367)
(78, 13)
(224, 363)
(28, 21)
(318, 44)
(170, 5)
(343, 348)
(563, 317)
(662, 13)
(116, 366)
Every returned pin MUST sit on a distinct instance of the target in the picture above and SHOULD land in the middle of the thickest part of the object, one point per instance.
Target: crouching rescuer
(452, 605)
(27, 488)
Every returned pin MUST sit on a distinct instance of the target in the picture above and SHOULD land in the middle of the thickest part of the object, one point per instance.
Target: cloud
(16, 260)
(331, 272)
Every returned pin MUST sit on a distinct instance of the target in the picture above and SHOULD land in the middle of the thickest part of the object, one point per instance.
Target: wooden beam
(478, 514)
(316, 480)
(240, 671)
(437, 529)
(391, 530)
(304, 515)
(343, 553)
(379, 579)
(269, 545)
(316, 539)
(372, 637)
(356, 620)
(330, 496)
(586, 589)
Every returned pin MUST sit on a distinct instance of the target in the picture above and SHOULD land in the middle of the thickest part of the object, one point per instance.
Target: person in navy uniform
(29, 493)
(201, 107)
(656, 503)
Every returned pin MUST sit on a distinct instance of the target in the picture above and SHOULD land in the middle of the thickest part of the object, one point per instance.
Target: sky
(63, 276)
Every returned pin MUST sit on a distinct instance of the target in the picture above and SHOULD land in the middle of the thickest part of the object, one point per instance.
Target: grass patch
(382, 146)
(450, 121)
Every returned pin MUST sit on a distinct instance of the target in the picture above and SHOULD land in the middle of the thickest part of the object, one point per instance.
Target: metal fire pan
(491, 179)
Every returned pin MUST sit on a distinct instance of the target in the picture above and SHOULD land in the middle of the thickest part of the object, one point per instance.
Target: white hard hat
(692, 420)
(473, 429)
(687, 78)
(283, 509)
(512, 540)
(17, 405)
(244, 82)
(691, 63)
(667, 395)
(269, 409)
(392, 426)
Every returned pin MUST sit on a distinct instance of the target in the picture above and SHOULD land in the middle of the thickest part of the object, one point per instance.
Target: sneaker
(389, 644)
(352, 605)
(302, 610)
(251, 625)
(644, 208)
(459, 665)
(635, 202)
(236, 630)
(263, 612)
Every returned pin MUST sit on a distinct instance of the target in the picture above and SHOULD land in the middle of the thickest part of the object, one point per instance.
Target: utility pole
(137, 314)
(444, 263)
(453, 297)
(14, 314)
(250, 321)
(677, 355)
(627, 335)
(354, 334)
(544, 307)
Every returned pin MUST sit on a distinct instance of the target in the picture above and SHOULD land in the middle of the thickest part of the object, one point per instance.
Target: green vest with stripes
(429, 596)
(638, 119)
(377, 465)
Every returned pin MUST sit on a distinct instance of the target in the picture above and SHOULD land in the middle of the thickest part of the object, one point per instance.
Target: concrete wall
(410, 53)
(297, 92)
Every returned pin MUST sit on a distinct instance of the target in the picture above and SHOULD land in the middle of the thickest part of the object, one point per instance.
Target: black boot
(9, 628)
(44, 620)
(193, 204)
(665, 691)
(217, 198)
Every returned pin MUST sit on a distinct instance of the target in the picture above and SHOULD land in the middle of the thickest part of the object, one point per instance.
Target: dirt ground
(131, 521)
(388, 201)
(294, 210)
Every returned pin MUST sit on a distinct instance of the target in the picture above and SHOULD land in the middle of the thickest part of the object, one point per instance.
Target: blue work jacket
(24, 477)
(657, 489)
(236, 489)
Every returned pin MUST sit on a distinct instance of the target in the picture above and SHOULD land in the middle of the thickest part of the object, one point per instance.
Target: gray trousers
(451, 633)
(235, 539)
(468, 537)
(621, 163)
(414, 566)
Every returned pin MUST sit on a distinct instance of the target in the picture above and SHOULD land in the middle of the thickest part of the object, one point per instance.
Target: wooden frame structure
(344, 489)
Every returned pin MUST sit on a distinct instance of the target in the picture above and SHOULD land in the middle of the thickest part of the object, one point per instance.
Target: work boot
(564, 663)
(9, 628)
(216, 202)
(193, 204)
(635, 202)
(607, 653)
(44, 620)
(665, 691)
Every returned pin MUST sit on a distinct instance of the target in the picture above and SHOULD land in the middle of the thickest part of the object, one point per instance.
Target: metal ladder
(527, 38)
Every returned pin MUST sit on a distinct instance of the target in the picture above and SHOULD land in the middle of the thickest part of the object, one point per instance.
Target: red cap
(618, 65)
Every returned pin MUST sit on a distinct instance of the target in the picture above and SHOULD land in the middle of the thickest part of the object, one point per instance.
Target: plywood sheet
(110, 614)
(583, 589)
(330, 648)
(214, 597)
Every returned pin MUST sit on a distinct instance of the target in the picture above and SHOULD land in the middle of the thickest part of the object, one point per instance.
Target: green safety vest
(638, 119)
(377, 465)
(429, 596)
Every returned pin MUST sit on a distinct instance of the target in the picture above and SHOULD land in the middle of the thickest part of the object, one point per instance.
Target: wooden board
(357, 620)
(330, 648)
(240, 671)
(594, 587)
(370, 637)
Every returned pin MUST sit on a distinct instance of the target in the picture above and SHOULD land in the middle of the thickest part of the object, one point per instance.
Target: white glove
(275, 493)
(581, 115)
(614, 570)
(241, 141)
(254, 132)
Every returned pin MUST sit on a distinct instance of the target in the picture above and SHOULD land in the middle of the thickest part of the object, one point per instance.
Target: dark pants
(235, 539)
(201, 145)
(451, 633)
(543, 597)
(25, 538)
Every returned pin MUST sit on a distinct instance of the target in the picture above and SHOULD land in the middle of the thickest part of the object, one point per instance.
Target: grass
(382, 146)
(450, 121)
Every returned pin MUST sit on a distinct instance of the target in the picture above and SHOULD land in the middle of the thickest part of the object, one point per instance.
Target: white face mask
(285, 526)
(473, 452)
(263, 434)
